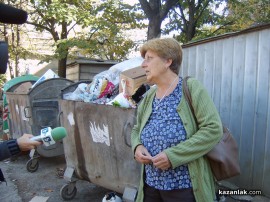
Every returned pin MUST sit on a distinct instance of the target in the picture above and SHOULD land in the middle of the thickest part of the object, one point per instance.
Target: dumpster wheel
(68, 191)
(32, 165)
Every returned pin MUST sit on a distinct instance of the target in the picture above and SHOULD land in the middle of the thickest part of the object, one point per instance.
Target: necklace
(165, 93)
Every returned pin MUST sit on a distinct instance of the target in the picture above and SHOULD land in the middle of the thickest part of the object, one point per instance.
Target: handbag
(223, 158)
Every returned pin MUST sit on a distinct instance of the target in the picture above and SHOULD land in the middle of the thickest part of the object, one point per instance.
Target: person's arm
(26, 144)
(135, 133)
(8, 149)
(209, 127)
(13, 147)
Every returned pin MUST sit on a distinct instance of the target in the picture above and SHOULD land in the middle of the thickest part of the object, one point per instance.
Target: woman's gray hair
(167, 48)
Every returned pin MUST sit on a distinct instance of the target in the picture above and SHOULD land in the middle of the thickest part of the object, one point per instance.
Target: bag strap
(188, 97)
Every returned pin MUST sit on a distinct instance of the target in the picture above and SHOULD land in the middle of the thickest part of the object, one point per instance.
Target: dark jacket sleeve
(8, 149)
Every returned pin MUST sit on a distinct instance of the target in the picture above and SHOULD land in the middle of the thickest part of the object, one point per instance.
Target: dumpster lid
(49, 89)
(20, 79)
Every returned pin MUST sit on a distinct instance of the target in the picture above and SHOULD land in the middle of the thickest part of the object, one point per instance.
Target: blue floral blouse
(165, 129)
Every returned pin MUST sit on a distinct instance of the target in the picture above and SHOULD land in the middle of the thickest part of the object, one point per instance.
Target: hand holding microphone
(49, 136)
(25, 143)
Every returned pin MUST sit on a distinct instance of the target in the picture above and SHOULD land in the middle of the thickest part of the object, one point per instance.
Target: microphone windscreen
(58, 133)
(11, 15)
(3, 57)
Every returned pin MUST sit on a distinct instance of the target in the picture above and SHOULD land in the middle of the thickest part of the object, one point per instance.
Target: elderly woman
(166, 140)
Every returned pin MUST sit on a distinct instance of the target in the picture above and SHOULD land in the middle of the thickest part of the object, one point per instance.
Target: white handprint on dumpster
(99, 134)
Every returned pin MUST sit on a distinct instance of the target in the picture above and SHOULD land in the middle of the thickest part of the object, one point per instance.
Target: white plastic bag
(111, 197)
(49, 74)
(121, 100)
(78, 94)
(116, 69)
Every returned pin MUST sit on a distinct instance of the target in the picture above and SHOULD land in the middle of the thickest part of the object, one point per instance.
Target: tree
(194, 18)
(56, 17)
(245, 13)
(206, 18)
(11, 34)
(156, 11)
(104, 20)
(3, 80)
(105, 38)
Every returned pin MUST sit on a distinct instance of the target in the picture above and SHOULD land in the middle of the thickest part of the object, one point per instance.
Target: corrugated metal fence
(235, 68)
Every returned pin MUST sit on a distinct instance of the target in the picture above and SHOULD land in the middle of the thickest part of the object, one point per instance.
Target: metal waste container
(14, 101)
(97, 147)
(42, 111)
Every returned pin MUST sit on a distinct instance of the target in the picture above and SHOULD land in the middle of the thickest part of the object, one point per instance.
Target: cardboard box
(134, 78)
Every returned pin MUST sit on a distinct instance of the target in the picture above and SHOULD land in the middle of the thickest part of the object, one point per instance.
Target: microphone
(11, 15)
(3, 57)
(49, 136)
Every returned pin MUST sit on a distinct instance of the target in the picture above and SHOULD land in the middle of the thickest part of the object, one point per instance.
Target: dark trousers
(154, 195)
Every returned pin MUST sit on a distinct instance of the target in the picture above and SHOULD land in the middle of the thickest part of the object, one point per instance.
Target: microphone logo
(50, 136)
(47, 139)
(46, 136)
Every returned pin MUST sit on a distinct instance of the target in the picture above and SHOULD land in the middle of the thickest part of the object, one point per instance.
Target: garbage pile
(104, 89)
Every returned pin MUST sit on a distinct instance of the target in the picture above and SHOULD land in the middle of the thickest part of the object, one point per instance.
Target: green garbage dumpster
(14, 122)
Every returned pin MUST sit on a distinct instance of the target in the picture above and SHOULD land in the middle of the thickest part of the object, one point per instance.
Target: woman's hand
(161, 161)
(142, 155)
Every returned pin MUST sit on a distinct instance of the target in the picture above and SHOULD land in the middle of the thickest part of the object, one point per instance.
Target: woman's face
(154, 66)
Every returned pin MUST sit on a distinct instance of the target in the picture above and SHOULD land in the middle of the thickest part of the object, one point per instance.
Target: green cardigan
(198, 143)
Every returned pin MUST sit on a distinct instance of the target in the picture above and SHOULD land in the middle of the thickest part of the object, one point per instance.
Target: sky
(131, 2)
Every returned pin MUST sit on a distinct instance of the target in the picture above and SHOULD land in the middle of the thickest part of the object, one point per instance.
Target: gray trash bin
(97, 147)
(38, 109)
(16, 101)
(43, 111)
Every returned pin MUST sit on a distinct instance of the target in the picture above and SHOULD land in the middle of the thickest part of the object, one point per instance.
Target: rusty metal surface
(98, 144)
(19, 123)
(36, 109)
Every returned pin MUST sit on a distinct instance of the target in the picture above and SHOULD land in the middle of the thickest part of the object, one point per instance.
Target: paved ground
(44, 184)
(23, 186)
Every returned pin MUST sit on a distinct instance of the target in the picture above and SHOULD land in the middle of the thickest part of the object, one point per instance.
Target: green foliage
(195, 20)
(104, 45)
(239, 15)
(3, 80)
(245, 13)
(192, 19)
(92, 28)
(116, 104)
(98, 26)
(104, 38)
